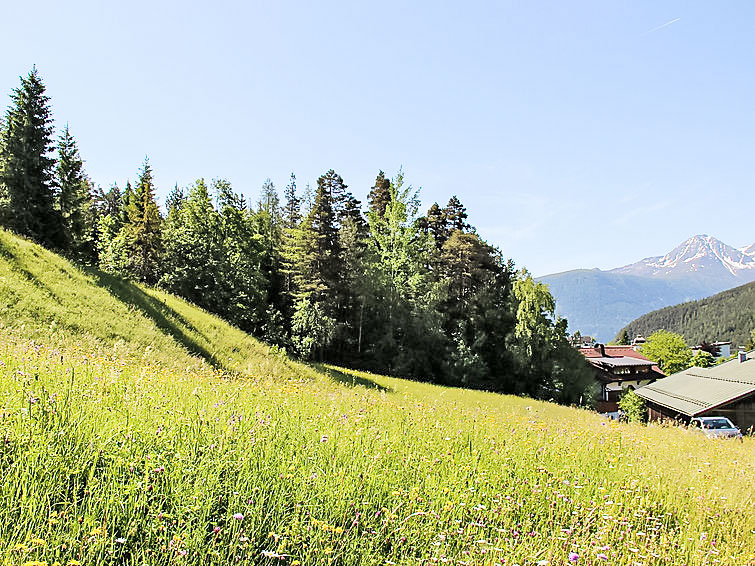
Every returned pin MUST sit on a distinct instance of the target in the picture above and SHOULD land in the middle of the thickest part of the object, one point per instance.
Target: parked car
(716, 427)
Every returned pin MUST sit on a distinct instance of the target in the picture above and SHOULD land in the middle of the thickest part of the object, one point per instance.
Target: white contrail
(662, 26)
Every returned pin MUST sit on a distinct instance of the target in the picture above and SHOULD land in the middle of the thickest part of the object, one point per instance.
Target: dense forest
(390, 290)
(729, 315)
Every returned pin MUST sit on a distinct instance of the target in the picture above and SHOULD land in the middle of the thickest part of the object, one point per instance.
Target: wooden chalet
(617, 370)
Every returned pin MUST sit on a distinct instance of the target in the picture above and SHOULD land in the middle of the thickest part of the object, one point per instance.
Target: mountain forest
(390, 289)
(729, 315)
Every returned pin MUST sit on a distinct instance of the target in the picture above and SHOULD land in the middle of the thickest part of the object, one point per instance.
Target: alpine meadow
(296, 382)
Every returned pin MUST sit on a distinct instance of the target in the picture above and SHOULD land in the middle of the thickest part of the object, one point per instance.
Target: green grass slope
(729, 315)
(137, 429)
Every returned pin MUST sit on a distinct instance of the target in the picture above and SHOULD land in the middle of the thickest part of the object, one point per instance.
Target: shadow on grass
(351, 379)
(164, 317)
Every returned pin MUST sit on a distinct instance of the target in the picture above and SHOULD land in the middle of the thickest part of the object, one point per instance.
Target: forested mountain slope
(729, 315)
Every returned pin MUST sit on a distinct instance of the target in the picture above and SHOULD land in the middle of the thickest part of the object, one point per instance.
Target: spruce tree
(380, 194)
(292, 206)
(74, 199)
(144, 239)
(319, 262)
(26, 167)
(455, 215)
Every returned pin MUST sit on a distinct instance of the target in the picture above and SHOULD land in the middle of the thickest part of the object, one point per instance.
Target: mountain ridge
(600, 302)
(728, 315)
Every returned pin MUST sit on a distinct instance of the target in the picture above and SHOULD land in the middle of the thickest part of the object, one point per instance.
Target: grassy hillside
(137, 429)
(726, 316)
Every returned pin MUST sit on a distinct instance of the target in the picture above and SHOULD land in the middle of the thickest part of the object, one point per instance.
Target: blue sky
(578, 134)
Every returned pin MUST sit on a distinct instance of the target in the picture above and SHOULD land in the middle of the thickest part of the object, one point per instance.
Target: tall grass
(140, 430)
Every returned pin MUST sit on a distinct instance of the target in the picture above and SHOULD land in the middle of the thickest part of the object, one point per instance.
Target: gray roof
(697, 390)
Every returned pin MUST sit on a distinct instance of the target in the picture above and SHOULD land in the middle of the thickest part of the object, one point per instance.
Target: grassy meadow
(137, 429)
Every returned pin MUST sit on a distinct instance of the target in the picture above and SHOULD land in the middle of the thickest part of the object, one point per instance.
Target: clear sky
(578, 134)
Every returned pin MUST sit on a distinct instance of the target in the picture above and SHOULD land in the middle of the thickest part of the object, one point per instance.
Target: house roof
(697, 390)
(612, 351)
(616, 352)
(623, 361)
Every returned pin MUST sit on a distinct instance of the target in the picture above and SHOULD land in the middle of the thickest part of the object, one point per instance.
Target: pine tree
(380, 194)
(74, 200)
(193, 256)
(319, 263)
(334, 188)
(292, 207)
(455, 215)
(176, 198)
(144, 239)
(26, 167)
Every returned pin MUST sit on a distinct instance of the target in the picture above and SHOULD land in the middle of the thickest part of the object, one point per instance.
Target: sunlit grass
(117, 445)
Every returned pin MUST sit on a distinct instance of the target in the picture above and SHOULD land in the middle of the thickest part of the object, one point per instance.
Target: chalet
(726, 390)
(617, 370)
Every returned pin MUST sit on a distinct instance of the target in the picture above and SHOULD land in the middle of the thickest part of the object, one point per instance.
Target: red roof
(615, 352)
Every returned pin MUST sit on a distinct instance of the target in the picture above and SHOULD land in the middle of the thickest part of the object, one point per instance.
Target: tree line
(390, 290)
(729, 315)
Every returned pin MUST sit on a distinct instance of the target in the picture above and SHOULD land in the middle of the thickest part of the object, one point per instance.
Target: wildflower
(238, 516)
(573, 557)
(602, 556)
(120, 540)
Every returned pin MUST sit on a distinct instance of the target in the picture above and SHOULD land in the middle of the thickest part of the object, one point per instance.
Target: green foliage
(729, 315)
(135, 420)
(74, 201)
(633, 406)
(312, 329)
(380, 195)
(669, 350)
(422, 297)
(702, 359)
(623, 339)
(26, 168)
(143, 234)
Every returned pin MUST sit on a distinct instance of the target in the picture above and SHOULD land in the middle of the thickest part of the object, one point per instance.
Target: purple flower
(602, 556)
(573, 557)
(238, 516)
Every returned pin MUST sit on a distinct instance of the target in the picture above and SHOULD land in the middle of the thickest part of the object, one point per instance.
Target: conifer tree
(143, 238)
(455, 215)
(292, 206)
(74, 200)
(380, 194)
(193, 255)
(26, 167)
(176, 198)
(320, 254)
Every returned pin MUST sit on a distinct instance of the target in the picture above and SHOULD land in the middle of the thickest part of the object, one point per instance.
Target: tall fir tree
(319, 263)
(455, 215)
(27, 199)
(144, 238)
(380, 194)
(292, 205)
(74, 200)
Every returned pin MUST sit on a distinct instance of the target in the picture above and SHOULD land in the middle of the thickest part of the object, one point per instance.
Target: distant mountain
(729, 315)
(702, 258)
(599, 303)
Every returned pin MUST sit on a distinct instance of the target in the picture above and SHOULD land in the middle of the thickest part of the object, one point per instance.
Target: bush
(633, 407)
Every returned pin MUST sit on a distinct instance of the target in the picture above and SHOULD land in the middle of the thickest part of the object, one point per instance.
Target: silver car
(715, 427)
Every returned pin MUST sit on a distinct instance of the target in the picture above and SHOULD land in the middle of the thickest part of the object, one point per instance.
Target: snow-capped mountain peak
(701, 254)
(748, 250)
